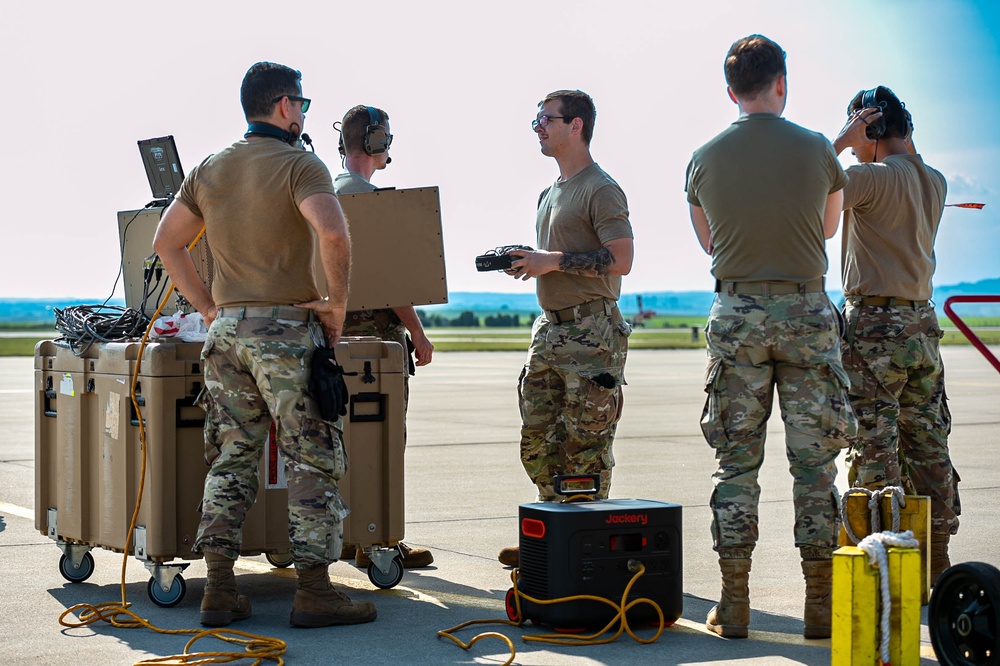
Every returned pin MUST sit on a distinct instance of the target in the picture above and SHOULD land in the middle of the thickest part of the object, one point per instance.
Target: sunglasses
(543, 121)
(295, 98)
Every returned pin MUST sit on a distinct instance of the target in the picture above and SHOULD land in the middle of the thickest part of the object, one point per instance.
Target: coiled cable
(83, 325)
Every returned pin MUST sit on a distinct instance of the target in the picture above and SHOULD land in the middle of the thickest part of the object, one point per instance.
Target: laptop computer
(163, 167)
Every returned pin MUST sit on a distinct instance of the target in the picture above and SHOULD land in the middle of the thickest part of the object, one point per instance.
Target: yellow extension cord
(563, 639)
(118, 614)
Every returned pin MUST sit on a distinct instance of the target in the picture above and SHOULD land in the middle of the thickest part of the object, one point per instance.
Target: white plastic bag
(187, 327)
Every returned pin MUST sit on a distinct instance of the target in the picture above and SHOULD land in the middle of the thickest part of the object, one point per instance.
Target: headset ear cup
(375, 140)
(875, 129)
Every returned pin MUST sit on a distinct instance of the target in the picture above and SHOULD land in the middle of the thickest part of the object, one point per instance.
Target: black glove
(327, 385)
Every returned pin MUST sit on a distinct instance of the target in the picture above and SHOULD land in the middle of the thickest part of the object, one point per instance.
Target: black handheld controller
(498, 259)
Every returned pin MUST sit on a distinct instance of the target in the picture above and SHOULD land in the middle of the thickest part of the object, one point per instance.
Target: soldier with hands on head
(264, 204)
(570, 390)
(892, 208)
(364, 145)
(764, 196)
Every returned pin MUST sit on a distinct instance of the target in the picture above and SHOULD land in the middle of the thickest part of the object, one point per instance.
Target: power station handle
(377, 399)
(577, 484)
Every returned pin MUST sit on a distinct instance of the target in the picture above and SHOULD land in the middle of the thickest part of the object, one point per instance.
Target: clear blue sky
(460, 81)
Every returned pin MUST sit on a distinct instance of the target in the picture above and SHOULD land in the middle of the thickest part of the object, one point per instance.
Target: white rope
(875, 545)
(874, 502)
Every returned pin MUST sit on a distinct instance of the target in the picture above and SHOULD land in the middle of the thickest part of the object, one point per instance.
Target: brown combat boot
(818, 572)
(413, 557)
(318, 604)
(510, 556)
(939, 555)
(730, 618)
(221, 603)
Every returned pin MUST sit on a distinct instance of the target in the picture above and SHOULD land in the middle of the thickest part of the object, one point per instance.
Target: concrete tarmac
(463, 487)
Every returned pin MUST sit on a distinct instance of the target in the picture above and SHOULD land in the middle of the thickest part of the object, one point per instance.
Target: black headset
(875, 128)
(376, 138)
(269, 130)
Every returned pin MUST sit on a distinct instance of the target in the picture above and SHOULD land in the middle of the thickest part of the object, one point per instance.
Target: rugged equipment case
(88, 458)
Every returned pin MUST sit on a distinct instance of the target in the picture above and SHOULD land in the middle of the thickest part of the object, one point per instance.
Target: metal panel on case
(136, 229)
(397, 251)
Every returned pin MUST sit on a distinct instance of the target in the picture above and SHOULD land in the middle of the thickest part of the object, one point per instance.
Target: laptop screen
(163, 167)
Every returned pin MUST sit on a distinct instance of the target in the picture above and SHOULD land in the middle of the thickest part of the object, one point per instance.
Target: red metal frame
(962, 326)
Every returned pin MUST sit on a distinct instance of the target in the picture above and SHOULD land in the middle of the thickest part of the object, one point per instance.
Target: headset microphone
(306, 139)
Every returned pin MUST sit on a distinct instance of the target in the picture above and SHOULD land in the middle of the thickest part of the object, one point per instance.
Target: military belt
(768, 288)
(267, 312)
(579, 311)
(885, 301)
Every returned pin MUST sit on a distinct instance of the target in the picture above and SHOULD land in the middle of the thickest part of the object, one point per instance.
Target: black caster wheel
(391, 579)
(74, 575)
(510, 605)
(279, 560)
(171, 597)
(963, 615)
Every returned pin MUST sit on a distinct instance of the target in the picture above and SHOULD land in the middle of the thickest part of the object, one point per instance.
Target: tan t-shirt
(763, 183)
(892, 210)
(249, 196)
(580, 215)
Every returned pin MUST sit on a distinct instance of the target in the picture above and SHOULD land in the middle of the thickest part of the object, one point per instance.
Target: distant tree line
(468, 319)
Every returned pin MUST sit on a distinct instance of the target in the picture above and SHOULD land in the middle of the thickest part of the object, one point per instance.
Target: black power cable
(83, 325)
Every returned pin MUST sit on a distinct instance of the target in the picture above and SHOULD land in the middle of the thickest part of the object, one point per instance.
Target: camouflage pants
(757, 343)
(385, 325)
(256, 370)
(897, 390)
(570, 397)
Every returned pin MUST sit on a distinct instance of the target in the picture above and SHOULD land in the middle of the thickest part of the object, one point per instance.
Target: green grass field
(658, 333)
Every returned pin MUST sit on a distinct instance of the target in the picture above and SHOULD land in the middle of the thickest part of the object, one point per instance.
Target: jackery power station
(584, 548)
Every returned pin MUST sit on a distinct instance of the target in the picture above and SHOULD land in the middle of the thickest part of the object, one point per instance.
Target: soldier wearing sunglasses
(265, 204)
(570, 390)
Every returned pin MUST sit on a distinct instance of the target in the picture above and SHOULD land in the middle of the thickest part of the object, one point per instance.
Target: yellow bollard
(857, 606)
(854, 630)
(915, 516)
(904, 616)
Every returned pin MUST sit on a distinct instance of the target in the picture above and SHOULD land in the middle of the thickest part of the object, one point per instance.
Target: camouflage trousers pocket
(840, 423)
(596, 400)
(716, 410)
(320, 449)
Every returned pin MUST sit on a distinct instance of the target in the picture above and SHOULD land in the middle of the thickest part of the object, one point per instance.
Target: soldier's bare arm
(701, 229)
(422, 346)
(831, 215)
(178, 227)
(324, 213)
(613, 258)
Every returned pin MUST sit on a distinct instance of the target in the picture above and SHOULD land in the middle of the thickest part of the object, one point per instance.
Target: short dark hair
(354, 125)
(897, 119)
(752, 64)
(264, 82)
(575, 104)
